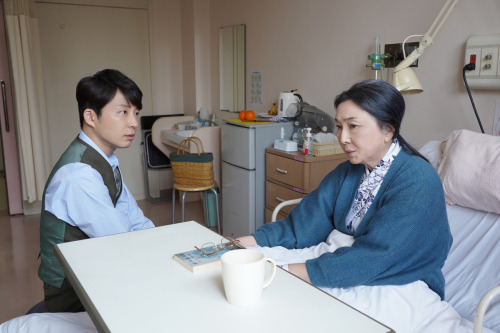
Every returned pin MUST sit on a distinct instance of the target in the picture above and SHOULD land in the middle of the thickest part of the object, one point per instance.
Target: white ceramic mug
(244, 276)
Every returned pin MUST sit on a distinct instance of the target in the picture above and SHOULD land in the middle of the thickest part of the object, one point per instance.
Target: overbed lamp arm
(404, 79)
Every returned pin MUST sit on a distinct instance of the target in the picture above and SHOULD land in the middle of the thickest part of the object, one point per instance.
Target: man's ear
(89, 117)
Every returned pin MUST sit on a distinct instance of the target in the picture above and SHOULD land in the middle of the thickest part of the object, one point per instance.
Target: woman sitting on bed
(377, 219)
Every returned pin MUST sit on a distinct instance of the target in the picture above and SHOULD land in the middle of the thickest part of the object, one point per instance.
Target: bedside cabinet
(293, 175)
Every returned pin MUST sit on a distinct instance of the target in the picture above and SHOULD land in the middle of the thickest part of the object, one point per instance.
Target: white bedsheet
(50, 323)
(473, 264)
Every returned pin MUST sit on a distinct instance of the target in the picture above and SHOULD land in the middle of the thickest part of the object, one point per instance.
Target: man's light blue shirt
(78, 196)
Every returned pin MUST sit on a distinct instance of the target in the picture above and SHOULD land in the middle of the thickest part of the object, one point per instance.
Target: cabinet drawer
(276, 194)
(286, 170)
(302, 173)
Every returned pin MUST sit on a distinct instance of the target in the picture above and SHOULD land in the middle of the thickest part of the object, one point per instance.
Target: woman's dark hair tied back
(384, 102)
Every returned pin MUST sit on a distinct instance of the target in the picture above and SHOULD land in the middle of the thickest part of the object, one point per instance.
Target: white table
(130, 283)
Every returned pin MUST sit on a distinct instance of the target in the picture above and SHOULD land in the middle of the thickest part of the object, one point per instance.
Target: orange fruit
(250, 115)
(242, 115)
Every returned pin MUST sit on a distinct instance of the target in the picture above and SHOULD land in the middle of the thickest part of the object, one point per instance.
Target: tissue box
(326, 148)
(285, 145)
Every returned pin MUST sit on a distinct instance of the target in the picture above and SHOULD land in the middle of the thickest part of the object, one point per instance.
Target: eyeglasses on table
(226, 243)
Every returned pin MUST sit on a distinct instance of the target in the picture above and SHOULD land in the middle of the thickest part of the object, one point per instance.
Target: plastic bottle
(307, 144)
(297, 134)
(376, 64)
(200, 120)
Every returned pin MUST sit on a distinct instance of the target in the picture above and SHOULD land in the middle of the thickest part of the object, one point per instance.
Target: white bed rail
(482, 306)
(283, 204)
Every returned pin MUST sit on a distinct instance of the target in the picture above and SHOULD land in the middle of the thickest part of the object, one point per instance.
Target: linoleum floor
(20, 287)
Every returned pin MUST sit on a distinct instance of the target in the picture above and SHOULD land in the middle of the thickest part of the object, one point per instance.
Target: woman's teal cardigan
(404, 236)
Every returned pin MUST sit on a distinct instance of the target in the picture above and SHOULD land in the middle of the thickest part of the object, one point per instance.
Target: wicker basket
(326, 148)
(193, 169)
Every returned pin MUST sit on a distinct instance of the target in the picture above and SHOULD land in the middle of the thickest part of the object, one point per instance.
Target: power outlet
(473, 55)
(394, 53)
(485, 49)
(489, 61)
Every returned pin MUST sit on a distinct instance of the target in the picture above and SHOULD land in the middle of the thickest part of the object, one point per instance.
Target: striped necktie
(118, 180)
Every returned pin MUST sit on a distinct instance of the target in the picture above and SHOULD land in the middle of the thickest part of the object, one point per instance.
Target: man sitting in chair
(85, 196)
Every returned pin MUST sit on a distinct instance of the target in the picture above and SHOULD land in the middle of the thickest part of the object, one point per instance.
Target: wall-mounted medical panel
(483, 50)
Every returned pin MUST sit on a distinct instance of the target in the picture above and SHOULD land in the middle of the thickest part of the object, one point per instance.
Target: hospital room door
(78, 39)
(10, 183)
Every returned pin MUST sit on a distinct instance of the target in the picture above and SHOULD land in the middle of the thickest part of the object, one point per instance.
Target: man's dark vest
(53, 230)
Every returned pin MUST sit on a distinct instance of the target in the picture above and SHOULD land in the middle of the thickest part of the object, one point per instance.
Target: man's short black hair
(94, 92)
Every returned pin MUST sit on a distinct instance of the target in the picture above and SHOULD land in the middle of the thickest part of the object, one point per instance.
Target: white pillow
(470, 170)
(432, 152)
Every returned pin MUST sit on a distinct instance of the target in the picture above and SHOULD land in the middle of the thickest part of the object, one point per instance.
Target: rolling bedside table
(293, 175)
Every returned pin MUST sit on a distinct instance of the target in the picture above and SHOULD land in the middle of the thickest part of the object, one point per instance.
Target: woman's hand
(247, 241)
(299, 270)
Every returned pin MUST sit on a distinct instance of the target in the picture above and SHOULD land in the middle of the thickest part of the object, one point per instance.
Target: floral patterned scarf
(369, 187)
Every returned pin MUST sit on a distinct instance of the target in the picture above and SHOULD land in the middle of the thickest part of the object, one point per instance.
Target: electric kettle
(285, 99)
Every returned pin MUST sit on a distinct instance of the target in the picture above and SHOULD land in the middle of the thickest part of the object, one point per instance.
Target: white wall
(320, 47)
(166, 56)
(202, 53)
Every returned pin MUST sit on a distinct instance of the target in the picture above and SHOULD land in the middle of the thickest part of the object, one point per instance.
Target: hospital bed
(469, 165)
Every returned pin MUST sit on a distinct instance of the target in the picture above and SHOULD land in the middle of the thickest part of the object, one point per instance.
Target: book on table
(195, 261)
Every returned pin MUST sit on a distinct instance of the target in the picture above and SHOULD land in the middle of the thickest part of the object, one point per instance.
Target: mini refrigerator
(244, 173)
